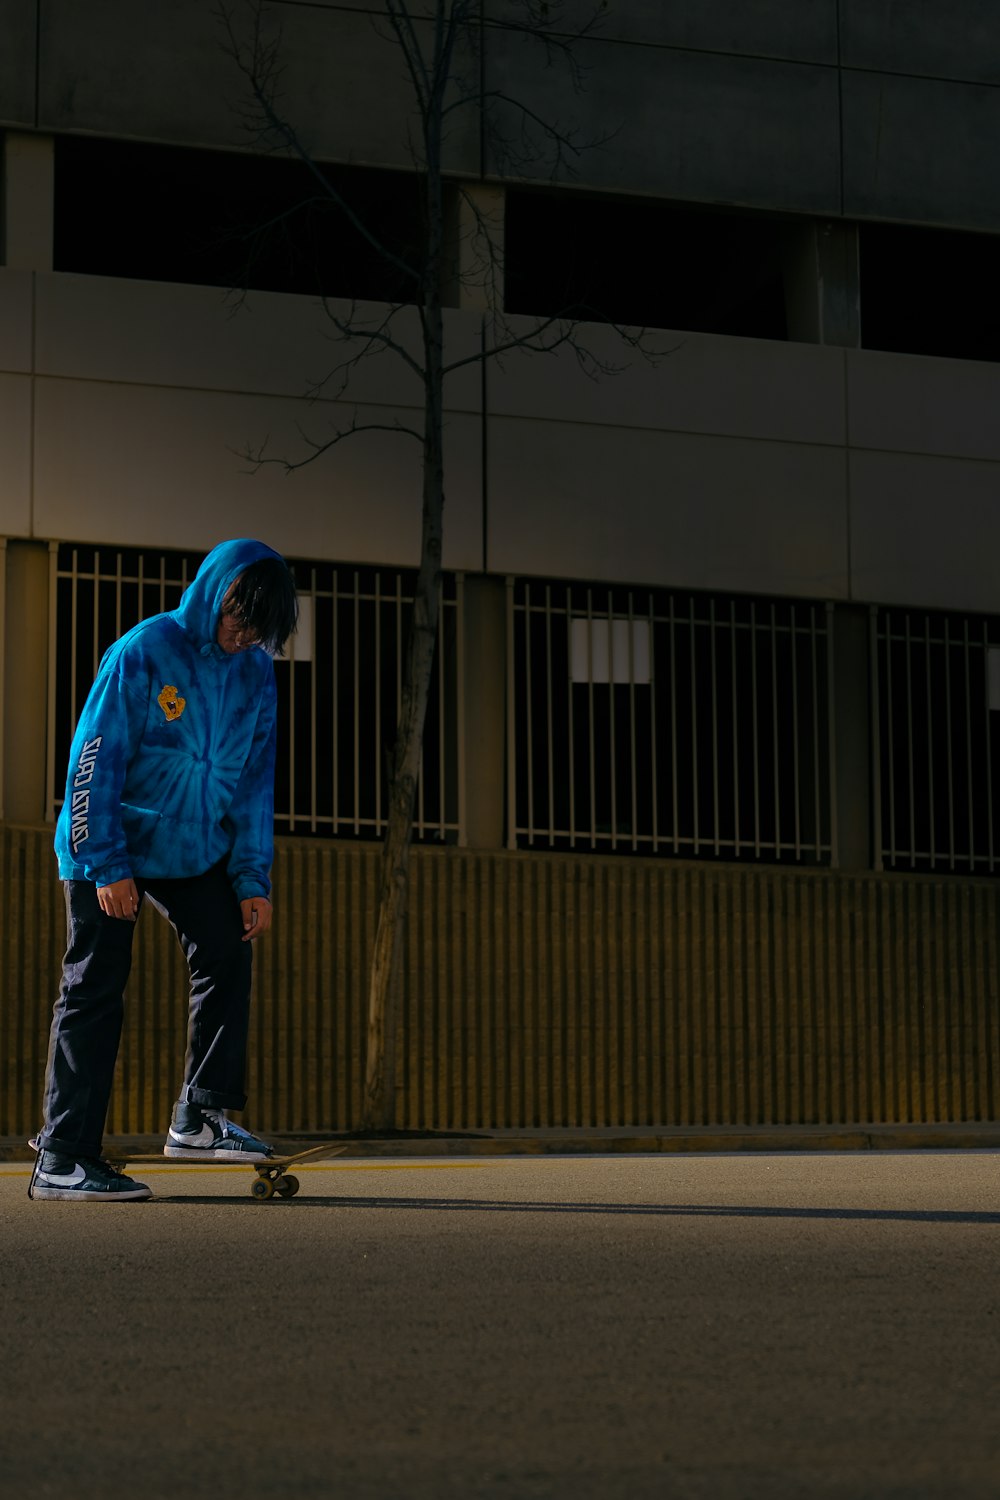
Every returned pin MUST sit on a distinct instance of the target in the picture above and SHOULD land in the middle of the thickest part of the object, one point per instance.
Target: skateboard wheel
(287, 1185)
(261, 1188)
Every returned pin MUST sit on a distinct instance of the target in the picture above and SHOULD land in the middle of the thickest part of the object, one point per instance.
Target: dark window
(667, 723)
(930, 291)
(644, 263)
(214, 218)
(939, 741)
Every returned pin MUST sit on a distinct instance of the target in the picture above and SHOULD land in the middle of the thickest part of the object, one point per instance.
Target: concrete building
(708, 824)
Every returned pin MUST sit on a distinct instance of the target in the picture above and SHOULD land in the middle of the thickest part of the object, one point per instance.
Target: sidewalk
(962, 1136)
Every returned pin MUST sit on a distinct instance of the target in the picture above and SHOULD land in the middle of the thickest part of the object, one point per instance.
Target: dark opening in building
(644, 263)
(930, 291)
(217, 218)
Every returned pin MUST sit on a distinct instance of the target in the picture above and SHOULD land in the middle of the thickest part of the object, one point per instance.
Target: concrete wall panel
(665, 508)
(143, 466)
(920, 150)
(17, 62)
(938, 38)
(157, 69)
(148, 332)
(682, 125)
(804, 32)
(696, 383)
(15, 455)
(925, 531)
(16, 292)
(945, 407)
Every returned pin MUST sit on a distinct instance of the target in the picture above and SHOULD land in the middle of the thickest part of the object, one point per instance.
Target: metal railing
(686, 724)
(338, 689)
(935, 740)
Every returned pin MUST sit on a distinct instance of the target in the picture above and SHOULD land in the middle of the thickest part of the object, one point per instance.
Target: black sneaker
(89, 1178)
(200, 1134)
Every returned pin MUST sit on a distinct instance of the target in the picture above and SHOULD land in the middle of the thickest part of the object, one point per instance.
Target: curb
(961, 1136)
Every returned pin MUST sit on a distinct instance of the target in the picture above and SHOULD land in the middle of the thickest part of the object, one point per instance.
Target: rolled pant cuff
(212, 1099)
(82, 1150)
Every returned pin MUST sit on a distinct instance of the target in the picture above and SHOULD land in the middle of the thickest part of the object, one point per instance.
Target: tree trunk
(383, 990)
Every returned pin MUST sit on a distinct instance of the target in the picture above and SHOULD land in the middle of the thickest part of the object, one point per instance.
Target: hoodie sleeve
(251, 813)
(91, 837)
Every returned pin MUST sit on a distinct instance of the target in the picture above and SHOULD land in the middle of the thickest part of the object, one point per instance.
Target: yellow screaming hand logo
(172, 705)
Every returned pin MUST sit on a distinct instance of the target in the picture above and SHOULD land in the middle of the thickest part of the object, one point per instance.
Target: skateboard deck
(271, 1176)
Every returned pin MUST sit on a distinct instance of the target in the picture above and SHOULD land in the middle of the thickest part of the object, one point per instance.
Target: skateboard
(272, 1178)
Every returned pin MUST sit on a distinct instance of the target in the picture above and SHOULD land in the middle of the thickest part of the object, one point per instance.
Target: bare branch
(258, 458)
(259, 66)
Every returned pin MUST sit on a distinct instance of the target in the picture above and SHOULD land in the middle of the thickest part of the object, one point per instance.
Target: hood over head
(201, 602)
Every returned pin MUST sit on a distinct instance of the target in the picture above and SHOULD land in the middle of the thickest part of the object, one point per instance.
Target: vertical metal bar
(356, 703)
(118, 595)
(831, 742)
(95, 621)
(163, 584)
(930, 743)
(755, 729)
(675, 793)
(876, 730)
(631, 717)
(793, 636)
(549, 724)
(590, 714)
(909, 736)
(529, 717)
(313, 722)
(3, 653)
(569, 719)
(611, 720)
(460, 746)
(335, 701)
(291, 746)
(989, 761)
(378, 702)
(966, 659)
(774, 731)
(74, 621)
(949, 759)
(442, 677)
(694, 720)
(50, 728)
(891, 737)
(734, 668)
(715, 722)
(654, 762)
(511, 722)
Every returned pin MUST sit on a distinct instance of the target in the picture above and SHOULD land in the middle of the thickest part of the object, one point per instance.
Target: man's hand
(120, 899)
(256, 917)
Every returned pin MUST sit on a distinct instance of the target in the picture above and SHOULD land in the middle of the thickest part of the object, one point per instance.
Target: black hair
(263, 599)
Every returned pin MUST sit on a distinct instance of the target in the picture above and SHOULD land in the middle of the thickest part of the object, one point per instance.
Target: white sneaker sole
(90, 1195)
(206, 1153)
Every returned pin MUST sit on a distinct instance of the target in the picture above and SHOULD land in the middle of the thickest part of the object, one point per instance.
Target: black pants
(87, 1024)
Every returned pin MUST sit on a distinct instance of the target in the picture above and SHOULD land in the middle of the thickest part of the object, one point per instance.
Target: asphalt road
(726, 1327)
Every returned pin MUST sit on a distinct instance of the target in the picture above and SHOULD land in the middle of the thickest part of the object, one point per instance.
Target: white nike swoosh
(64, 1179)
(205, 1137)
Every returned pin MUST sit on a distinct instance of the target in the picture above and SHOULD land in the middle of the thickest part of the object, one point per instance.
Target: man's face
(231, 635)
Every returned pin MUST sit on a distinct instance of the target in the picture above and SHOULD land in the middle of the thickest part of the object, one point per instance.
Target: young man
(169, 798)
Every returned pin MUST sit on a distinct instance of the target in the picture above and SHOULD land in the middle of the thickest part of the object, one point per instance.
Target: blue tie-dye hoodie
(172, 764)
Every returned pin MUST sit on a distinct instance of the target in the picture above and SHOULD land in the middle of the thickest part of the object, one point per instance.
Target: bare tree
(441, 46)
